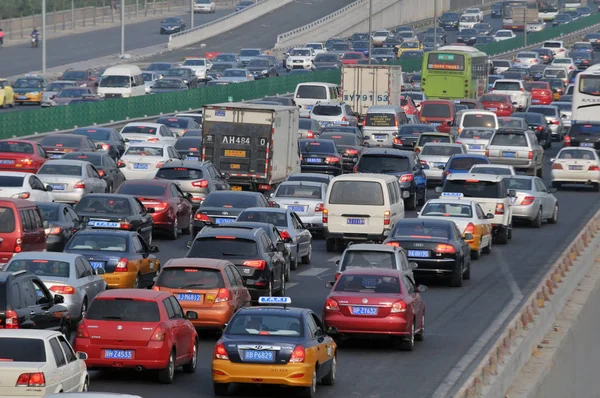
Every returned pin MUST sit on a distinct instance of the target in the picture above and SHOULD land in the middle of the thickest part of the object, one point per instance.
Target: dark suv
(260, 261)
(87, 77)
(26, 303)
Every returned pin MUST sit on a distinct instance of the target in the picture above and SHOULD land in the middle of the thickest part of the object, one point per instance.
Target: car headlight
(186, 82)
(264, 72)
(83, 85)
(125, 95)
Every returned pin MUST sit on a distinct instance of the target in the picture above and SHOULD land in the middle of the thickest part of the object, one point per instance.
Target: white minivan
(473, 118)
(122, 81)
(361, 207)
(307, 95)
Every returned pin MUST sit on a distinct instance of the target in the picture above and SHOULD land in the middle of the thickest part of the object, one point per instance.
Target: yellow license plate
(234, 166)
(236, 188)
(235, 154)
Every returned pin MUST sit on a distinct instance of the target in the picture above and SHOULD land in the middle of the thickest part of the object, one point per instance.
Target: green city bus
(454, 72)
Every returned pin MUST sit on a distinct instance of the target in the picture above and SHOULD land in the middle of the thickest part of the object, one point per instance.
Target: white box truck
(256, 144)
(364, 86)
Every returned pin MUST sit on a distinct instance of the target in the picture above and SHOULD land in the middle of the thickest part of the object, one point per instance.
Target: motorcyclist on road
(35, 34)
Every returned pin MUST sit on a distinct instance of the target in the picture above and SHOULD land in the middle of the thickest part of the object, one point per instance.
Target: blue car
(244, 4)
(361, 46)
(462, 163)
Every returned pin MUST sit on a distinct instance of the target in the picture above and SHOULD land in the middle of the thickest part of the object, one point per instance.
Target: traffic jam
(405, 178)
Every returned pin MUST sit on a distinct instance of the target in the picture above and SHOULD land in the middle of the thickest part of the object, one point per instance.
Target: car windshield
(41, 268)
(176, 72)
(311, 91)
(98, 242)
(93, 134)
(326, 58)
(279, 219)
(139, 130)
(234, 73)
(435, 110)
(546, 111)
(190, 278)
(144, 151)
(479, 120)
(167, 83)
(72, 93)
(123, 310)
(141, 189)
(19, 349)
(459, 210)
(103, 205)
(360, 44)
(28, 83)
(229, 200)
(223, 247)
(465, 163)
(179, 173)
(299, 191)
(226, 58)
(576, 154)
(535, 85)
(259, 62)
(194, 62)
(221, 67)
(354, 192)
(149, 77)
(298, 52)
(366, 284)
(60, 169)
(383, 164)
(321, 178)
(61, 141)
(509, 139)
(174, 122)
(327, 110)
(520, 184)
(264, 325)
(115, 81)
(368, 259)
(249, 53)
(504, 33)
(441, 150)
(58, 86)
(16, 147)
(474, 188)
(468, 32)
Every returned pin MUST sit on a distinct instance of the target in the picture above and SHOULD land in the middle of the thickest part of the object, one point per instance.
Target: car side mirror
(552, 190)
(46, 225)
(226, 176)
(413, 265)
(422, 288)
(515, 103)
(58, 299)
(552, 160)
(154, 249)
(120, 164)
(330, 284)
(48, 188)
(151, 210)
(280, 246)
(98, 146)
(563, 116)
(441, 167)
(439, 189)
(188, 244)
(449, 123)
(489, 216)
(512, 193)
(81, 355)
(337, 262)
(468, 236)
(100, 271)
(332, 331)
(367, 137)
(191, 315)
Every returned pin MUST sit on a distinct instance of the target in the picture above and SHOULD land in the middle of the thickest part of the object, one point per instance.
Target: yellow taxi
(410, 45)
(468, 217)
(424, 138)
(6, 94)
(29, 89)
(276, 345)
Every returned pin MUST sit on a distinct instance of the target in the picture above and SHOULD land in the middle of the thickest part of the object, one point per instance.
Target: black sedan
(189, 147)
(483, 29)
(409, 134)
(538, 124)
(392, 42)
(343, 129)
(106, 166)
(467, 36)
(172, 25)
(449, 20)
(113, 211)
(109, 138)
(63, 222)
(222, 207)
(320, 156)
(258, 259)
(439, 32)
(349, 146)
(437, 246)
(261, 68)
(187, 75)
(166, 85)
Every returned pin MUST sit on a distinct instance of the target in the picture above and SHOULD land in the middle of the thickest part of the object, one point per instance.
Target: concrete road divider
(222, 25)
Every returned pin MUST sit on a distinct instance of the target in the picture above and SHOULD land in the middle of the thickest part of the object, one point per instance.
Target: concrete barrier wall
(224, 24)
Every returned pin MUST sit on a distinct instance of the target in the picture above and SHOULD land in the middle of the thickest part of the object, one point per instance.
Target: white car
(515, 90)
(476, 12)
(576, 165)
(136, 133)
(36, 362)
(300, 58)
(380, 36)
(407, 35)
(144, 160)
(467, 22)
(501, 65)
(536, 27)
(205, 6)
(504, 34)
(493, 169)
(565, 62)
(149, 79)
(557, 46)
(317, 47)
(24, 186)
(200, 66)
(525, 59)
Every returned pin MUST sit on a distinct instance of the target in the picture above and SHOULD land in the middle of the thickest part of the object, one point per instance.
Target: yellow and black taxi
(7, 95)
(275, 345)
(29, 89)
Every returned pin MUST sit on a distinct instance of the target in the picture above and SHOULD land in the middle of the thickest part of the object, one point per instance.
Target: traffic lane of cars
(456, 317)
(93, 44)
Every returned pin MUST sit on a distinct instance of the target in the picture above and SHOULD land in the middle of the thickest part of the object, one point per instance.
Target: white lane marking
(460, 368)
(312, 272)
(290, 285)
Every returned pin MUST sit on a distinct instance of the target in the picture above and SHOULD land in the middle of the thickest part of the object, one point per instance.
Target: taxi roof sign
(452, 195)
(274, 300)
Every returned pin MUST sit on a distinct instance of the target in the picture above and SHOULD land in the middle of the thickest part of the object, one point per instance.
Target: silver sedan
(69, 275)
(434, 157)
(305, 199)
(71, 179)
(534, 202)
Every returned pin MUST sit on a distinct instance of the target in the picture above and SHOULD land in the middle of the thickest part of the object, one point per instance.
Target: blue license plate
(259, 356)
(535, 101)
(57, 187)
(189, 297)
(191, 158)
(508, 154)
(22, 97)
(419, 253)
(135, 141)
(309, 108)
(97, 264)
(588, 144)
(380, 136)
(364, 311)
(356, 221)
(299, 209)
(475, 146)
(435, 124)
(575, 167)
(57, 156)
(141, 166)
(314, 160)
(223, 220)
(492, 109)
(7, 161)
(104, 224)
(118, 354)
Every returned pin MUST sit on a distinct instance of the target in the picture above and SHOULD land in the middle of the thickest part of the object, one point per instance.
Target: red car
(541, 92)
(19, 155)
(500, 104)
(352, 57)
(376, 301)
(438, 113)
(172, 208)
(138, 329)
(408, 104)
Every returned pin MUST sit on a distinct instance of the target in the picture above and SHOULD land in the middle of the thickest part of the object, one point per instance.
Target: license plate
(191, 158)
(235, 154)
(236, 188)
(259, 356)
(380, 136)
(22, 97)
(435, 124)
(189, 297)
(575, 167)
(493, 109)
(309, 108)
(56, 156)
(475, 146)
(223, 220)
(104, 224)
(97, 264)
(535, 101)
(588, 144)
(364, 311)
(324, 124)
(314, 160)
(57, 187)
(299, 209)
(118, 354)
(7, 161)
(135, 141)
(508, 154)
(140, 166)
(419, 253)
(356, 221)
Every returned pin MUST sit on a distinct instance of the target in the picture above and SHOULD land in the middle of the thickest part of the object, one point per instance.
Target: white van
(473, 118)
(382, 124)
(122, 81)
(308, 94)
(556, 72)
(361, 207)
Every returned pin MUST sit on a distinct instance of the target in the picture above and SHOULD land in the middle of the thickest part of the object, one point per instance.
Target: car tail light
(121, 163)
(31, 380)
(11, 320)
(222, 296)
(202, 217)
(561, 50)
(557, 166)
(285, 235)
(470, 229)
(351, 151)
(62, 289)
(344, 119)
(567, 140)
(159, 333)
(221, 352)
(18, 248)
(332, 304)
(530, 155)
(487, 153)
(499, 208)
(23, 195)
(105, 147)
(325, 216)
(82, 331)
(264, 187)
(394, 244)
(310, 134)
(517, 60)
(417, 150)
(298, 355)
(535, 61)
(79, 185)
(258, 264)
(522, 90)
(152, 140)
(423, 163)
(527, 200)
(124, 225)
(355, 169)
(538, 128)
(332, 159)
(319, 208)
(272, 203)
(122, 265)
(25, 161)
(594, 168)
(407, 178)
(101, 173)
(398, 307)
(160, 206)
(397, 141)
(386, 217)
(446, 173)
(445, 248)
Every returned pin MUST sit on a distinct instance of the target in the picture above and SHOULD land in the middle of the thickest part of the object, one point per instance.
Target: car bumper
(356, 237)
(67, 197)
(524, 212)
(520, 164)
(574, 177)
(291, 66)
(55, 243)
(202, 9)
(290, 374)
(432, 266)
(73, 305)
(366, 325)
(139, 174)
(211, 318)
(433, 174)
(120, 280)
(321, 169)
(146, 357)
(162, 220)
(542, 101)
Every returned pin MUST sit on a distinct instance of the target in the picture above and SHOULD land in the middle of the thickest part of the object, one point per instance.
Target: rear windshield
(263, 324)
(576, 154)
(190, 144)
(327, 110)
(142, 189)
(144, 151)
(177, 123)
(304, 177)
(308, 146)
(555, 73)
(465, 163)
(510, 123)
(501, 64)
(584, 129)
(543, 110)
(61, 141)
(103, 205)
(312, 92)
(18, 349)
(479, 120)
(340, 139)
(327, 58)
(179, 173)
(138, 130)
(552, 44)
(59, 269)
(425, 138)
(421, 230)
(407, 129)
(509, 139)
(368, 259)
(368, 284)
(493, 98)
(223, 247)
(307, 124)
(123, 310)
(7, 220)
(509, 86)
(380, 119)
(190, 278)
(448, 210)
(383, 164)
(49, 211)
(499, 171)
(230, 201)
(299, 191)
(476, 134)
(440, 150)
(527, 55)
(269, 217)
(95, 159)
(361, 193)
(536, 85)
(530, 117)
(474, 188)
(435, 110)
(16, 147)
(98, 242)
(60, 169)
(11, 181)
(518, 183)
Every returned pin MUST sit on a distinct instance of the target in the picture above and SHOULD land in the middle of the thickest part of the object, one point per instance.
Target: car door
(116, 175)
(415, 299)
(303, 237)
(545, 198)
(38, 190)
(86, 279)
(184, 206)
(244, 297)
(97, 182)
(486, 226)
(45, 316)
(38, 234)
(277, 260)
(168, 136)
(177, 331)
(237, 286)
(73, 368)
(143, 219)
(322, 342)
(143, 260)
(62, 374)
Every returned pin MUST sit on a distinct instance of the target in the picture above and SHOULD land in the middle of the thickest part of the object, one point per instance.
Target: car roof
(267, 209)
(425, 221)
(191, 164)
(302, 182)
(371, 247)
(29, 333)
(196, 263)
(224, 231)
(475, 176)
(15, 173)
(500, 166)
(238, 193)
(451, 200)
(144, 124)
(115, 232)
(468, 156)
(387, 151)
(144, 294)
(145, 181)
(67, 162)
(248, 225)
(149, 145)
(53, 256)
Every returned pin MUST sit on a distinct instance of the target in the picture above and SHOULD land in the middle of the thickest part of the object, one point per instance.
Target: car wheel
(488, 248)
(457, 276)
(3, 104)
(420, 335)
(174, 234)
(554, 218)
(540, 172)
(84, 306)
(411, 202)
(167, 374)
(270, 287)
(537, 221)
(220, 389)
(65, 329)
(294, 263)
(308, 258)
(476, 254)
(509, 233)
(422, 201)
(310, 392)
(408, 344)
(287, 271)
(190, 367)
(556, 185)
(282, 288)
(467, 269)
(86, 385)
(502, 236)
(136, 282)
(188, 230)
(329, 378)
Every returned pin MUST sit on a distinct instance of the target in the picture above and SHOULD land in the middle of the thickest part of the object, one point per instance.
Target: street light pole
(370, 29)
(43, 36)
(192, 13)
(122, 27)
(435, 25)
